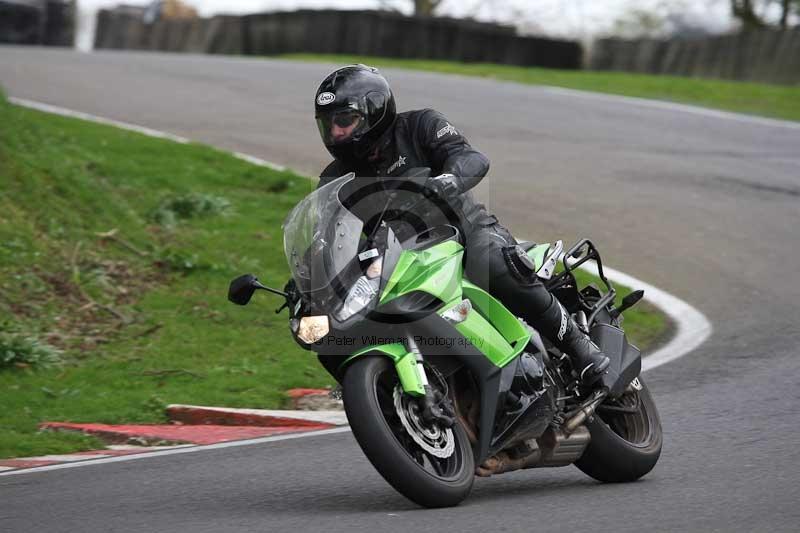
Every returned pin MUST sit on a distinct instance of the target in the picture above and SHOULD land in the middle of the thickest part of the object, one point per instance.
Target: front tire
(625, 445)
(368, 393)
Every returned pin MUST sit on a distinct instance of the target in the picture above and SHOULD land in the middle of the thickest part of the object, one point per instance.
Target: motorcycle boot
(587, 359)
(494, 263)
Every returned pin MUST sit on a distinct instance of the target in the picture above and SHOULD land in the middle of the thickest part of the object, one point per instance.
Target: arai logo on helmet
(325, 98)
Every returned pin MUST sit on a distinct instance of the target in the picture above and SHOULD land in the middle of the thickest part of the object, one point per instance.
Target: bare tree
(788, 8)
(425, 8)
(744, 10)
(752, 13)
(637, 23)
(785, 5)
(666, 18)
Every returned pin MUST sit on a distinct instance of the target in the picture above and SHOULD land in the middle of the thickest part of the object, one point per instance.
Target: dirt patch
(87, 300)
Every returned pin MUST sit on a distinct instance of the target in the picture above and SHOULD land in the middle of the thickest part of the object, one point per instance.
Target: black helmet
(354, 108)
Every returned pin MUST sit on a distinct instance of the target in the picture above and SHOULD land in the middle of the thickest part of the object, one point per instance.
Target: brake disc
(432, 439)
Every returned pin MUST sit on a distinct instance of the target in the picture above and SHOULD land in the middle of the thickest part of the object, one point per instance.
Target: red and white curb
(198, 416)
(192, 426)
(148, 452)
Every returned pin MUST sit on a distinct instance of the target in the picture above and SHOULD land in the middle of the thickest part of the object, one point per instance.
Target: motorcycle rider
(359, 125)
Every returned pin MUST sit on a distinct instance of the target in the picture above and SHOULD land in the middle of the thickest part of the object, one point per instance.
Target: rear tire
(624, 447)
(368, 387)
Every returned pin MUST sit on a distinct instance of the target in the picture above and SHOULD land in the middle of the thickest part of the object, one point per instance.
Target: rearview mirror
(242, 289)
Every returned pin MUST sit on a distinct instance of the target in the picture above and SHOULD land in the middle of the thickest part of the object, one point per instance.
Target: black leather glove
(444, 185)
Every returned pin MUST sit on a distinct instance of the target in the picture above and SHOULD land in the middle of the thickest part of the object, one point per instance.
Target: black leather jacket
(424, 138)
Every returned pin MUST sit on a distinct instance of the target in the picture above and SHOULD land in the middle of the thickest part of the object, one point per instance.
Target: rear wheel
(429, 465)
(626, 437)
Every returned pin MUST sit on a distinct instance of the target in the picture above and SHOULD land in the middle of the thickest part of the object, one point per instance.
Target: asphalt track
(703, 205)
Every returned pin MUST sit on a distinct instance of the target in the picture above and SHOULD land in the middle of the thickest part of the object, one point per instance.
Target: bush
(21, 350)
(180, 261)
(175, 208)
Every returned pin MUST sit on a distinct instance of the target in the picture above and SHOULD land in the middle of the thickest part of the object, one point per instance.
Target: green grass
(162, 330)
(778, 101)
(134, 298)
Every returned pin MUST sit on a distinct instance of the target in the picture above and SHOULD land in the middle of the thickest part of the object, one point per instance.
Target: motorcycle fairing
(405, 363)
(487, 342)
(626, 359)
(436, 270)
(492, 322)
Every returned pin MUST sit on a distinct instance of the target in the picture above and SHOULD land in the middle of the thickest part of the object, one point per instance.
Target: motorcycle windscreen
(321, 240)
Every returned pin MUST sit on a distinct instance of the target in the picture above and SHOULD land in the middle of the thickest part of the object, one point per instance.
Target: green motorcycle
(440, 381)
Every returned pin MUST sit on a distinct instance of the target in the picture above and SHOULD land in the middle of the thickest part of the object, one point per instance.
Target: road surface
(706, 207)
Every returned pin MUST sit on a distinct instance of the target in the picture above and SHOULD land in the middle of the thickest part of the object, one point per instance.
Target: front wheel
(429, 465)
(626, 437)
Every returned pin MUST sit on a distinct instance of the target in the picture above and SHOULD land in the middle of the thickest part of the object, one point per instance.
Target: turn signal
(458, 313)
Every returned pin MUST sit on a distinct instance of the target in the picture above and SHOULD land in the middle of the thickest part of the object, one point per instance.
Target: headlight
(361, 294)
(313, 328)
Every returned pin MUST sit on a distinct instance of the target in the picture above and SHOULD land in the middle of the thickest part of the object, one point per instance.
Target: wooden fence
(370, 33)
(771, 56)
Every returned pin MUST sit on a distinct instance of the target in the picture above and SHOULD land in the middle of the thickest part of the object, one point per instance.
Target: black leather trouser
(486, 267)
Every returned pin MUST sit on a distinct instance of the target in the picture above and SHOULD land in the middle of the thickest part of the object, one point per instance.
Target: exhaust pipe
(553, 448)
(556, 447)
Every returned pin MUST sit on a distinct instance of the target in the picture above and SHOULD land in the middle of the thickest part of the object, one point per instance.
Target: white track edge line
(674, 106)
(258, 161)
(692, 326)
(176, 451)
(39, 106)
(150, 132)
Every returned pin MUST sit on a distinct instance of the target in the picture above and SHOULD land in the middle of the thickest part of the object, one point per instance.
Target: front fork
(408, 364)
(436, 408)
(413, 348)
(410, 367)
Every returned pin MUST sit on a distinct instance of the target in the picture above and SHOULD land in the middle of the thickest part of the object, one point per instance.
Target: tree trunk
(785, 7)
(743, 10)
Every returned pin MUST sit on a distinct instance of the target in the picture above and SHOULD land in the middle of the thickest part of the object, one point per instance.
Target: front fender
(408, 369)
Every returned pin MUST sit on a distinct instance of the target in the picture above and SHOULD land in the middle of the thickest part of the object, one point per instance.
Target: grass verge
(116, 249)
(115, 254)
(777, 101)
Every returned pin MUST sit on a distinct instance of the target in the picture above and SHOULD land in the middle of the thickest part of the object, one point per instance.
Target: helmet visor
(351, 120)
(341, 125)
